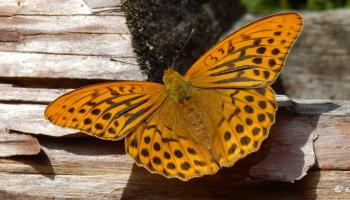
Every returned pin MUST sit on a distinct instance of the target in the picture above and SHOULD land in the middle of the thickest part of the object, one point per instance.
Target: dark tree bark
(160, 28)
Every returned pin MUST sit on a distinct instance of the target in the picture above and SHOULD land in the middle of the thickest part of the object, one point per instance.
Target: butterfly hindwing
(164, 144)
(242, 119)
(250, 57)
(107, 110)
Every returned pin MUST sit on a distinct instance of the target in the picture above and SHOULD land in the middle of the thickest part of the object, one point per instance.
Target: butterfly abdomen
(176, 86)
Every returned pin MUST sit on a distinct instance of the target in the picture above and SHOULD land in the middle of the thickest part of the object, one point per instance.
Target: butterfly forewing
(107, 110)
(249, 58)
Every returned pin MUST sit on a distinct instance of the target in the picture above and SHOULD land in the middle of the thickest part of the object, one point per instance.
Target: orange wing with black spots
(242, 120)
(251, 57)
(107, 110)
(168, 144)
(215, 129)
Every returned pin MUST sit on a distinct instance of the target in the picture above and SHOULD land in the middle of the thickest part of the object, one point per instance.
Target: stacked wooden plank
(46, 47)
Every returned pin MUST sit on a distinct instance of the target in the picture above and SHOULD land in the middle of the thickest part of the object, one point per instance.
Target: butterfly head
(176, 86)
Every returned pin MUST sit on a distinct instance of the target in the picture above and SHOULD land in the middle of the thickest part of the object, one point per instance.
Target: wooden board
(49, 47)
(65, 40)
(18, 144)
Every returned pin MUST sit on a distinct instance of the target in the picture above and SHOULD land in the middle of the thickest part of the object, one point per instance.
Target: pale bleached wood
(104, 6)
(140, 185)
(74, 44)
(29, 118)
(68, 66)
(18, 144)
(34, 95)
(38, 24)
(44, 7)
(66, 45)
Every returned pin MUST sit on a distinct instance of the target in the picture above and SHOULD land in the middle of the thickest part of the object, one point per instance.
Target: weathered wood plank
(141, 185)
(57, 7)
(76, 46)
(68, 66)
(75, 156)
(35, 95)
(18, 144)
(31, 118)
(334, 142)
(104, 6)
(326, 185)
(72, 44)
(34, 25)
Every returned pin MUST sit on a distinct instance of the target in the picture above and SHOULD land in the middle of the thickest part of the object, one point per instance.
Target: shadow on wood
(84, 146)
(40, 163)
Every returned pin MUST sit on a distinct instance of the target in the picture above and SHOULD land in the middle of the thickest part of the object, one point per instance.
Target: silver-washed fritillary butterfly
(218, 113)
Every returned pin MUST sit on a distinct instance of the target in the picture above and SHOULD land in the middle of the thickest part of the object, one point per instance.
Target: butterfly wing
(107, 110)
(250, 57)
(164, 144)
(241, 118)
(187, 141)
(232, 82)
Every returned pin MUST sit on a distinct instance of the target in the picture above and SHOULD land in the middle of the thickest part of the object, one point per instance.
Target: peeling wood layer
(18, 144)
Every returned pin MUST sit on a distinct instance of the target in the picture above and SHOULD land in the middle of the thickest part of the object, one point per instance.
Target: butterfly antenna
(183, 47)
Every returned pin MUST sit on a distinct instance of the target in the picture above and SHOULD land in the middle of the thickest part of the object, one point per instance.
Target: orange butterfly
(216, 114)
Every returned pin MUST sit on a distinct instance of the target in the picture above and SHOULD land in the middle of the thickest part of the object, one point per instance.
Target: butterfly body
(176, 86)
(220, 111)
(181, 91)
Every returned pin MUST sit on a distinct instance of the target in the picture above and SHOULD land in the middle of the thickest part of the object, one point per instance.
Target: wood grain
(66, 40)
(140, 185)
(53, 7)
(41, 65)
(18, 144)
(75, 40)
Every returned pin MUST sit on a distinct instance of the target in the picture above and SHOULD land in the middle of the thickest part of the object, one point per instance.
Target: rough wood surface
(54, 7)
(58, 39)
(140, 185)
(45, 44)
(18, 144)
(321, 63)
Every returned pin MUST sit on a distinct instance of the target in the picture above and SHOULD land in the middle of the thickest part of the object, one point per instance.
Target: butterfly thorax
(176, 86)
